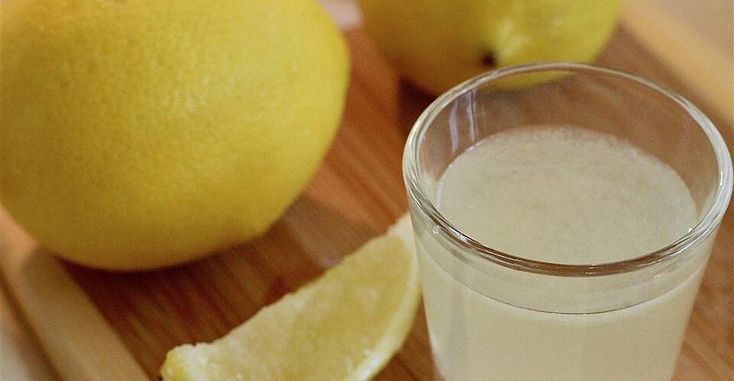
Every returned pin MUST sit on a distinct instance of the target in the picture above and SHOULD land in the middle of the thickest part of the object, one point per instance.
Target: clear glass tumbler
(495, 315)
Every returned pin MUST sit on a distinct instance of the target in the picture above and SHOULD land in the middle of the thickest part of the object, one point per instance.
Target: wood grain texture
(692, 52)
(356, 194)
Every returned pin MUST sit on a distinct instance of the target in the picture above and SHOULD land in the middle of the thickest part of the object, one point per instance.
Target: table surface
(378, 99)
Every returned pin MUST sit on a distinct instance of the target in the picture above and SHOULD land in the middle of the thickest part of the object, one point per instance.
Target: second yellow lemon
(138, 134)
(436, 44)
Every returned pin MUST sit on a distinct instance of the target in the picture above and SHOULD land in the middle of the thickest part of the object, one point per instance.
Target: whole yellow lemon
(138, 134)
(436, 44)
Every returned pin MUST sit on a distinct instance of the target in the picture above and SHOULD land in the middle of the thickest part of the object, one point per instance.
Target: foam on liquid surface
(565, 195)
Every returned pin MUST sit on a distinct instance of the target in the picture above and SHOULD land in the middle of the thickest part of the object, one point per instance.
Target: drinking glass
(496, 315)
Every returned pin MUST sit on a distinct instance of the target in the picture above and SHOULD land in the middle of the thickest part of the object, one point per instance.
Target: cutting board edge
(34, 280)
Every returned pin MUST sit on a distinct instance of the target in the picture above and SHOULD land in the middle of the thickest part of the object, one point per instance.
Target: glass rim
(704, 226)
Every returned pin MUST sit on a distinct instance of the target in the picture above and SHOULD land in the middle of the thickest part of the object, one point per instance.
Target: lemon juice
(567, 196)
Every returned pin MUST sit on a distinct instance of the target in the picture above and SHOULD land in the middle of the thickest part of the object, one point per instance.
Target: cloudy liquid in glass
(562, 195)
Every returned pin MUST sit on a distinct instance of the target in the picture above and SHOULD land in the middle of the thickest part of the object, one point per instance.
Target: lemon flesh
(345, 325)
(139, 134)
(437, 44)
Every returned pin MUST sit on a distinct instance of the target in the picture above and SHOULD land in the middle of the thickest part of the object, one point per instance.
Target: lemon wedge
(345, 325)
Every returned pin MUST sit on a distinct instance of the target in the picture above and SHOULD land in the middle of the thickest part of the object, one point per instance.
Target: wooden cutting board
(105, 326)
